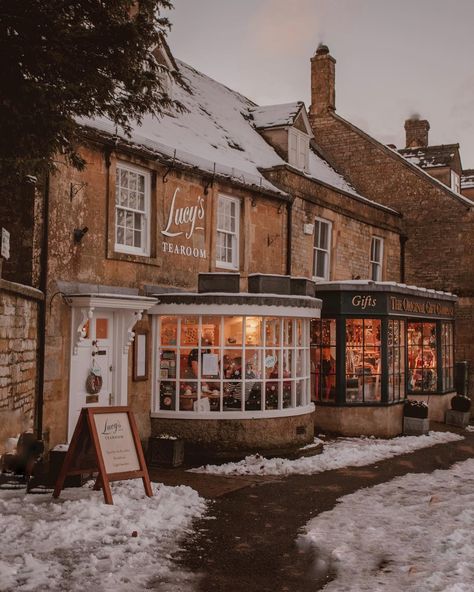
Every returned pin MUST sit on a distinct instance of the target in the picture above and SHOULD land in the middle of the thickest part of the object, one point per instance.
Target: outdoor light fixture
(79, 234)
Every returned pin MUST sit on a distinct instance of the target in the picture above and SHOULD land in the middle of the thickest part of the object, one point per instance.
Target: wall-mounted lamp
(79, 233)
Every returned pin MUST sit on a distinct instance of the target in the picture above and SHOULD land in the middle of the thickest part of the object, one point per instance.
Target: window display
(396, 359)
(323, 359)
(422, 357)
(447, 355)
(232, 363)
(363, 360)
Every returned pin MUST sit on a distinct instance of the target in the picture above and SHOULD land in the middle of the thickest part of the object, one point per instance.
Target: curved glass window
(221, 364)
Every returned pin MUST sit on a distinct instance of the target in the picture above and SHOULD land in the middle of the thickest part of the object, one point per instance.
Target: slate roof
(217, 135)
(431, 156)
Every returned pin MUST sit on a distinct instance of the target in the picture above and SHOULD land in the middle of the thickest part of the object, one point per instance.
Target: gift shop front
(232, 370)
(377, 344)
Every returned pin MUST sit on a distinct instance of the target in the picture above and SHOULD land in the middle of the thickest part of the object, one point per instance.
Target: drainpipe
(403, 240)
(41, 329)
(289, 219)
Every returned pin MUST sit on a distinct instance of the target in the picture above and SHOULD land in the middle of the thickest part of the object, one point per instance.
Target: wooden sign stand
(114, 451)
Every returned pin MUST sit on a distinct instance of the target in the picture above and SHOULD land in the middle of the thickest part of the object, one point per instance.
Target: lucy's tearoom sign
(181, 224)
(106, 442)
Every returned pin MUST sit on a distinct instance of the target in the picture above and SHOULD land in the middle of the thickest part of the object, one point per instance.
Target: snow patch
(343, 452)
(77, 542)
(413, 533)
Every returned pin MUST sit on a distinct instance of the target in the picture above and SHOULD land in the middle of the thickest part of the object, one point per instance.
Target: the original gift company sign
(182, 222)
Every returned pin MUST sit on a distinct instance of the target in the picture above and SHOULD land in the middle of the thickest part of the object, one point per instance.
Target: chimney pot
(322, 49)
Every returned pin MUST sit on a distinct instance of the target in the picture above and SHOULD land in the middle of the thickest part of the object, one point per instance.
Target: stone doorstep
(457, 418)
(414, 426)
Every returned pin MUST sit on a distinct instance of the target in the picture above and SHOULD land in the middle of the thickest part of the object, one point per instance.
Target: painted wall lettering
(183, 220)
(364, 302)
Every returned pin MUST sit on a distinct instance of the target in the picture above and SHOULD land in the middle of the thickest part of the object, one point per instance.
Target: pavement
(247, 541)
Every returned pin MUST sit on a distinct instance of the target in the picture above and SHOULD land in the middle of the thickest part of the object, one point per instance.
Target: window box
(269, 284)
(219, 282)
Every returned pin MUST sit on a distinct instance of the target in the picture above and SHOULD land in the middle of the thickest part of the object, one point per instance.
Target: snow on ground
(414, 533)
(343, 452)
(77, 542)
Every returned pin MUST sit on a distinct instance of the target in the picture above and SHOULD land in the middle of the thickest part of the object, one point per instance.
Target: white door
(94, 357)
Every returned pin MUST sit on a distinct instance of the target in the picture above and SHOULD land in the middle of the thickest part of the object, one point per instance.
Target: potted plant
(461, 403)
(415, 418)
(418, 409)
(460, 411)
(165, 450)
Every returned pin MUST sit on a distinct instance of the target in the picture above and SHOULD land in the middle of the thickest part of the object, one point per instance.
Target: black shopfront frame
(342, 305)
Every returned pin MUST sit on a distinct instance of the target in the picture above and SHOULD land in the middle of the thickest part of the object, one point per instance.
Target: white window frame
(455, 182)
(299, 156)
(234, 264)
(119, 247)
(372, 262)
(327, 266)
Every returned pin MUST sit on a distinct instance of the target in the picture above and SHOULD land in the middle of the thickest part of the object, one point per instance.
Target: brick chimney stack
(323, 82)
(416, 132)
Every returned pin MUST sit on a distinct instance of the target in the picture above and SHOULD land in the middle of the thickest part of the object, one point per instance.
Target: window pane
(187, 395)
(233, 331)
(253, 330)
(320, 270)
(272, 331)
(167, 396)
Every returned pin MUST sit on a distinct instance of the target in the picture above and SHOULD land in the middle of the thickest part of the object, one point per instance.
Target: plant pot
(414, 409)
(461, 403)
(415, 426)
(165, 452)
(457, 418)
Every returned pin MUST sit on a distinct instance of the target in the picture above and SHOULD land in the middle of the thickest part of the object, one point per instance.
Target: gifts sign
(106, 442)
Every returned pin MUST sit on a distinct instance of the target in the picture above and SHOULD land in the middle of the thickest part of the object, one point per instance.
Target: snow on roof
(275, 115)
(321, 170)
(214, 134)
(431, 156)
(217, 134)
(382, 286)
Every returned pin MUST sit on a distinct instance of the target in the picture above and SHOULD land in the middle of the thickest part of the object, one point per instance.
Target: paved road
(250, 545)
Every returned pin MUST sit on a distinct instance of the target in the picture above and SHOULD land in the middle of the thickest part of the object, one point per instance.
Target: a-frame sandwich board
(106, 442)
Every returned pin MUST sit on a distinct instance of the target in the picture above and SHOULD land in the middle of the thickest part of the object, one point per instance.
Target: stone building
(179, 270)
(421, 182)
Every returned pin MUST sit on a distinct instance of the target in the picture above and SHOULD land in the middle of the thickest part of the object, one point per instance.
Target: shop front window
(363, 360)
(396, 359)
(323, 360)
(232, 363)
(447, 355)
(422, 357)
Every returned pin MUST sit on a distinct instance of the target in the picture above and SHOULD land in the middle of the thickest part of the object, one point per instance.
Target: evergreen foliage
(63, 59)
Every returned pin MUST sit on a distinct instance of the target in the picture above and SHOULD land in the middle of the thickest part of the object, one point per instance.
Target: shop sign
(106, 442)
(421, 306)
(182, 223)
(371, 303)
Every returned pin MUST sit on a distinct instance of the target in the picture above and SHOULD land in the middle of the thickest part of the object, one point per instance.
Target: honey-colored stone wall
(381, 422)
(18, 356)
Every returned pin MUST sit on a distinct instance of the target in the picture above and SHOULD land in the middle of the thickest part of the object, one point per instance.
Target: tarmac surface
(247, 541)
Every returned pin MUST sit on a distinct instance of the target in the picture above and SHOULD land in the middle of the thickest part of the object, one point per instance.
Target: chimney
(323, 82)
(416, 132)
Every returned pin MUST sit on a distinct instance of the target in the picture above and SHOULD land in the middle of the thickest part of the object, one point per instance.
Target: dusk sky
(394, 57)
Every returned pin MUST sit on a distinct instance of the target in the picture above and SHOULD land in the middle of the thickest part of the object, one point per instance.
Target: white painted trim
(327, 270)
(119, 248)
(234, 265)
(222, 415)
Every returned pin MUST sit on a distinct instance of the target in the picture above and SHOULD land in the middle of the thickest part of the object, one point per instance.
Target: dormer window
(298, 149)
(455, 182)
